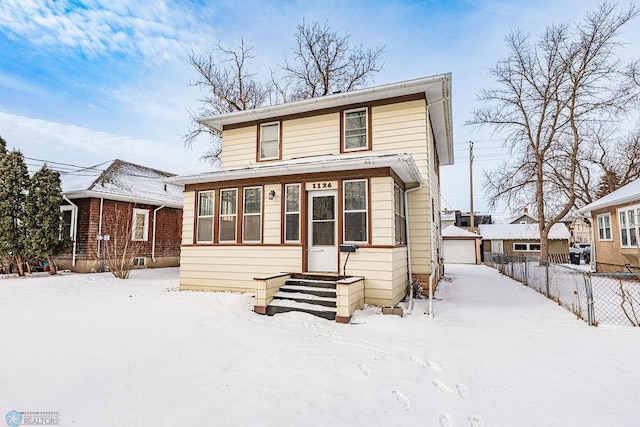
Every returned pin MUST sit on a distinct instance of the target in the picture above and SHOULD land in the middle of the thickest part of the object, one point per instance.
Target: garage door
(459, 251)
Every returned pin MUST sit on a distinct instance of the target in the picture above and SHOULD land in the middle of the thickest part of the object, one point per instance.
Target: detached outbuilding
(460, 246)
(524, 239)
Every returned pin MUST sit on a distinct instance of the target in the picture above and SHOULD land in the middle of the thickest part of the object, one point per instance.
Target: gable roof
(558, 231)
(452, 232)
(517, 219)
(124, 181)
(436, 89)
(628, 193)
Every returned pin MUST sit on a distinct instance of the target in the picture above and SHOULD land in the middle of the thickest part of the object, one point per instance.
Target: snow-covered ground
(106, 352)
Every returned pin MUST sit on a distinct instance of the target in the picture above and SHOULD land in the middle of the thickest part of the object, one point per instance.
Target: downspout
(153, 240)
(406, 226)
(100, 228)
(75, 228)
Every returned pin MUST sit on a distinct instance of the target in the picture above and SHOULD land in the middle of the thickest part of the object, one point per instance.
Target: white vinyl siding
(604, 227)
(204, 227)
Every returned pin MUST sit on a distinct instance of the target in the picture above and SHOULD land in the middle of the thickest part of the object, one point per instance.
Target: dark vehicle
(580, 250)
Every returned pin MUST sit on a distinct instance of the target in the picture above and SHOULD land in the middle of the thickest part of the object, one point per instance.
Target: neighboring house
(120, 202)
(579, 227)
(460, 246)
(462, 219)
(306, 185)
(616, 229)
(447, 218)
(524, 239)
(525, 218)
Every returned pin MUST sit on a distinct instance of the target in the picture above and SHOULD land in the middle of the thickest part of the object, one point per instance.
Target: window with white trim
(526, 247)
(292, 213)
(604, 227)
(66, 231)
(269, 141)
(252, 214)
(140, 225)
(228, 215)
(399, 213)
(629, 227)
(204, 226)
(355, 130)
(355, 211)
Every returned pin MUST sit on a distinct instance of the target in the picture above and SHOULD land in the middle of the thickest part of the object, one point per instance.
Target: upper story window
(269, 141)
(204, 227)
(292, 213)
(252, 215)
(629, 227)
(140, 226)
(604, 227)
(356, 132)
(356, 211)
(228, 215)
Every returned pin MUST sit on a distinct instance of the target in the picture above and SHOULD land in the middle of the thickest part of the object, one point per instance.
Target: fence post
(547, 276)
(526, 273)
(589, 294)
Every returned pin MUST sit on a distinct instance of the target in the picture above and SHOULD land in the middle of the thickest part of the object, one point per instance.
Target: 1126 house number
(321, 185)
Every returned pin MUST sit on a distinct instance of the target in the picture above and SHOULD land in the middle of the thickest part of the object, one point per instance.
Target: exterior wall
(609, 255)
(116, 223)
(555, 247)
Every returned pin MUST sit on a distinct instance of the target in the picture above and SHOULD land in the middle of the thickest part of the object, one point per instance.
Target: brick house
(344, 186)
(116, 203)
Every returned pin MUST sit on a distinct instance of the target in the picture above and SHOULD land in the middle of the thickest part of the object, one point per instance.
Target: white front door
(323, 232)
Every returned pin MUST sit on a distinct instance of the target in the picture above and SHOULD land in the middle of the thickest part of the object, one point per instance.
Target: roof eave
(81, 194)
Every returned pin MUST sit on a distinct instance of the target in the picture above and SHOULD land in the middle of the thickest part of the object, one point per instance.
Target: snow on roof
(520, 217)
(626, 194)
(122, 180)
(558, 231)
(453, 231)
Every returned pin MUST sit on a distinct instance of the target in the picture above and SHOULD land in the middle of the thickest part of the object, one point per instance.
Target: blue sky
(83, 82)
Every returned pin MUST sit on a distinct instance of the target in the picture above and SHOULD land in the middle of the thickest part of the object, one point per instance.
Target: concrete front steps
(308, 293)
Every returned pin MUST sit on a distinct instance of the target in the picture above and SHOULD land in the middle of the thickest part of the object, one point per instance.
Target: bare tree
(324, 62)
(120, 250)
(226, 85)
(553, 92)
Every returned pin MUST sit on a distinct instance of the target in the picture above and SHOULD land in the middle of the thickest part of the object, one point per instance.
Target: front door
(323, 232)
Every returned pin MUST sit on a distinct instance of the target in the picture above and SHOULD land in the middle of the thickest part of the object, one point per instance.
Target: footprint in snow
(463, 391)
(402, 399)
(445, 420)
(363, 368)
(442, 386)
(429, 364)
(476, 421)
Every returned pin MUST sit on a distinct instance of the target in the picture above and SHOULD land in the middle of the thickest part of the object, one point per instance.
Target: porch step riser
(326, 294)
(308, 301)
(329, 284)
(329, 315)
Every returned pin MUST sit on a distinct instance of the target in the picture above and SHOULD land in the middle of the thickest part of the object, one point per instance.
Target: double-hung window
(355, 211)
(399, 213)
(204, 227)
(292, 213)
(355, 130)
(604, 226)
(140, 225)
(228, 215)
(629, 227)
(252, 215)
(269, 146)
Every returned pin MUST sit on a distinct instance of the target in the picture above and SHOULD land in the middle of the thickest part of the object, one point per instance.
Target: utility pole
(472, 220)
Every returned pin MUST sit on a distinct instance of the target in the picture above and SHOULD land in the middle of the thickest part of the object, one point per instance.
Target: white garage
(460, 246)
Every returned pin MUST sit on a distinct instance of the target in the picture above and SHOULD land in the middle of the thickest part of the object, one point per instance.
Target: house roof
(452, 232)
(402, 164)
(627, 194)
(517, 218)
(558, 231)
(437, 90)
(124, 181)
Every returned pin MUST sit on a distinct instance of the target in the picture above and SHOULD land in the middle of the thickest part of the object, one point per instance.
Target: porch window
(604, 226)
(399, 212)
(140, 226)
(204, 227)
(355, 130)
(355, 211)
(292, 213)
(629, 227)
(269, 146)
(228, 215)
(252, 215)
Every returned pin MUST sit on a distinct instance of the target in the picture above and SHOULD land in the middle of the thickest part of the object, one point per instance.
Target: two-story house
(344, 186)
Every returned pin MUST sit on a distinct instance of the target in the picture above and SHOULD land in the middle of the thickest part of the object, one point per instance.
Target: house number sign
(321, 185)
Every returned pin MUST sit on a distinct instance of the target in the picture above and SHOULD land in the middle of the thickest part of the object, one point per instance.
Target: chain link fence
(597, 298)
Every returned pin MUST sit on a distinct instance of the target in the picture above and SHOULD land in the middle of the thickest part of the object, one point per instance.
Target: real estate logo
(13, 418)
(16, 418)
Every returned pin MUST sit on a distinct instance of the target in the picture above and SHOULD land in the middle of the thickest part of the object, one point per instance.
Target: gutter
(75, 228)
(120, 198)
(153, 242)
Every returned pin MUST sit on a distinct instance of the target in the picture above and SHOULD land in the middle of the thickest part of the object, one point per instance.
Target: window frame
(628, 226)
(145, 225)
(71, 209)
(603, 228)
(343, 130)
(528, 247)
(402, 216)
(245, 214)
(221, 215)
(286, 212)
(259, 157)
(212, 216)
(365, 210)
